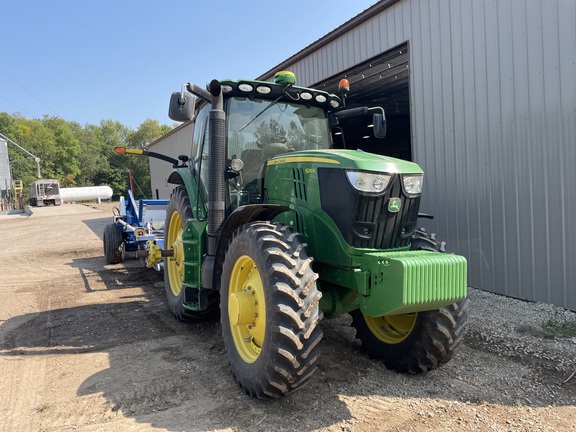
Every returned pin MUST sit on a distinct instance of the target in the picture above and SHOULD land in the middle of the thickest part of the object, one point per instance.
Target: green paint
(350, 159)
(412, 281)
(193, 239)
(391, 283)
(282, 183)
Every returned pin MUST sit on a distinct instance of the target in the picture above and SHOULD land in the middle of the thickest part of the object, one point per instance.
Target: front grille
(299, 184)
(364, 220)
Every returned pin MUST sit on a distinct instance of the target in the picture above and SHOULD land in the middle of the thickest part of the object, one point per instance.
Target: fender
(184, 176)
(244, 214)
(212, 265)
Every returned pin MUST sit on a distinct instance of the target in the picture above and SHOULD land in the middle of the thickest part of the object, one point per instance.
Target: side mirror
(181, 106)
(379, 122)
(351, 112)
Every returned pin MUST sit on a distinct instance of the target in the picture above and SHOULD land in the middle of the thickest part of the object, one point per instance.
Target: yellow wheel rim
(391, 329)
(175, 264)
(247, 309)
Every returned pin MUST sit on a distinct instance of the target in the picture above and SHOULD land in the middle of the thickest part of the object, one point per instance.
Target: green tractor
(274, 228)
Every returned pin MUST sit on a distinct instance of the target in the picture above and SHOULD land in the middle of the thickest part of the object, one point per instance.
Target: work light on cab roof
(344, 85)
(343, 89)
(284, 83)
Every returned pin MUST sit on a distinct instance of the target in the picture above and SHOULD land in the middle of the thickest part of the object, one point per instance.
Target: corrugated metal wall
(5, 175)
(493, 113)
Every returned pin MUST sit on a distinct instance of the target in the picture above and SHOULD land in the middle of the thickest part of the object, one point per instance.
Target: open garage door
(381, 81)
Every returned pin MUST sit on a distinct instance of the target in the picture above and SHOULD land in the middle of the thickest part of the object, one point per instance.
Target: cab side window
(200, 147)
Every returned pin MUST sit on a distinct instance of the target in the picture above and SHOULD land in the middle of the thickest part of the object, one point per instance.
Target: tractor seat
(253, 160)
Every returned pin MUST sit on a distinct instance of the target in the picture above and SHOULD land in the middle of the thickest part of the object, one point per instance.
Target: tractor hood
(348, 160)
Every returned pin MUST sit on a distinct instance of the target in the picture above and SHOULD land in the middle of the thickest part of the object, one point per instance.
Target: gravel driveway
(92, 347)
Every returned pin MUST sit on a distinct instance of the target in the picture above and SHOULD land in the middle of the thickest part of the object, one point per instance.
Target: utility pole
(36, 158)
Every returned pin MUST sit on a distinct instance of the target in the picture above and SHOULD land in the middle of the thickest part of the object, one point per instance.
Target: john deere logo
(394, 205)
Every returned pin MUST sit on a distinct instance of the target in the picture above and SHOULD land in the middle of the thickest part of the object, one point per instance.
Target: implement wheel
(114, 247)
(414, 342)
(269, 310)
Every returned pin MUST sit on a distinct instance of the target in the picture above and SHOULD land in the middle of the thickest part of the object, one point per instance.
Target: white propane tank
(86, 193)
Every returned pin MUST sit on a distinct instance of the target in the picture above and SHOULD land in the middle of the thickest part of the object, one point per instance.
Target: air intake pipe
(216, 166)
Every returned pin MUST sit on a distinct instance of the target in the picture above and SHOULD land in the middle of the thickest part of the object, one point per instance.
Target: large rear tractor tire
(416, 342)
(178, 213)
(114, 248)
(269, 306)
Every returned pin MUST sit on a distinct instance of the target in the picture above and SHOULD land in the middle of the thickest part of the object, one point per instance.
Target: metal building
(481, 94)
(176, 142)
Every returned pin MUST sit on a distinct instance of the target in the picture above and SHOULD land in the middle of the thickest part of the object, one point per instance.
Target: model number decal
(310, 171)
(301, 159)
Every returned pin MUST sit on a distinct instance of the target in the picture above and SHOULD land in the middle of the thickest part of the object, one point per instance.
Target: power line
(19, 107)
(32, 94)
(118, 165)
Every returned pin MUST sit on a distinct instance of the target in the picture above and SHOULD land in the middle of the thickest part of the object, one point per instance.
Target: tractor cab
(260, 129)
(263, 120)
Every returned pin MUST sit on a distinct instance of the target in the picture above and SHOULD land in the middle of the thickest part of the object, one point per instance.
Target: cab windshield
(260, 129)
(274, 127)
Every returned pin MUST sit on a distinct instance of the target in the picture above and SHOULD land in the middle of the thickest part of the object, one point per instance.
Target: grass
(555, 329)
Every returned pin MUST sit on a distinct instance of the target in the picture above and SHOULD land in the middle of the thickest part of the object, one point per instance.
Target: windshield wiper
(270, 105)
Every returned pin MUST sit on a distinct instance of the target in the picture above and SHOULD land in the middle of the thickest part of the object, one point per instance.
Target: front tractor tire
(114, 248)
(269, 306)
(415, 342)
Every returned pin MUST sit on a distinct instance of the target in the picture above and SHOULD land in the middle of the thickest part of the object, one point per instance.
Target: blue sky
(87, 61)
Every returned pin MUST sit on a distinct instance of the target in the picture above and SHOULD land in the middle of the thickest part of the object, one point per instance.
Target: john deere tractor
(275, 228)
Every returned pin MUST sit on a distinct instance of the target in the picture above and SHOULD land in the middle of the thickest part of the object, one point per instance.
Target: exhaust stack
(217, 166)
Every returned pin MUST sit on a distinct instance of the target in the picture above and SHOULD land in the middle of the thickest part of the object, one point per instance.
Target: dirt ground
(92, 347)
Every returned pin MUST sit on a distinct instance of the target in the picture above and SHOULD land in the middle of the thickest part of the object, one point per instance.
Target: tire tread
(293, 349)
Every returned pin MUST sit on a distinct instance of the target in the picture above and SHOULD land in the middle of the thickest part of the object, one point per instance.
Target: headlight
(412, 184)
(236, 165)
(368, 182)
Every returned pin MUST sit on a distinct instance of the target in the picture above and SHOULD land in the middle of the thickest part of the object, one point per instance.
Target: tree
(66, 150)
(8, 126)
(91, 159)
(80, 155)
(148, 132)
(269, 132)
(38, 140)
(115, 174)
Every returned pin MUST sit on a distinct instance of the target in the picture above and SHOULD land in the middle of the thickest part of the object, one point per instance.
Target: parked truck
(273, 228)
(45, 192)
